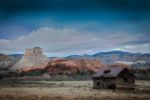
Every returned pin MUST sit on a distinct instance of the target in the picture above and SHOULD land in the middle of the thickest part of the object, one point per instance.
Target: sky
(66, 27)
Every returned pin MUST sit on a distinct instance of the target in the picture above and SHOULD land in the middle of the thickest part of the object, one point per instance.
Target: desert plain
(70, 90)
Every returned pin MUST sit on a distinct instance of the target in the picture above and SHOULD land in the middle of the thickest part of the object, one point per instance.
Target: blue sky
(64, 27)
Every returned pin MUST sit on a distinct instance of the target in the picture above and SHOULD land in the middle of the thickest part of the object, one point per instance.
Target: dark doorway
(98, 83)
(112, 86)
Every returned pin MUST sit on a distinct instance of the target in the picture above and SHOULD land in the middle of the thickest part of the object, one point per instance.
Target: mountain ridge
(105, 57)
(114, 56)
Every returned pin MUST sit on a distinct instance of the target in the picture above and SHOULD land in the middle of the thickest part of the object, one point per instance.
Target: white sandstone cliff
(32, 58)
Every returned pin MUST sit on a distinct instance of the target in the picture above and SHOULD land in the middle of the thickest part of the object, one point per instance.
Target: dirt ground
(70, 90)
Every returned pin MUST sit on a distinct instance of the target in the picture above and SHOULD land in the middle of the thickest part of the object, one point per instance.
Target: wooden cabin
(114, 78)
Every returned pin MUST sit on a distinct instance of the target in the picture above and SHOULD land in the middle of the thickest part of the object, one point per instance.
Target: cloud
(144, 48)
(65, 41)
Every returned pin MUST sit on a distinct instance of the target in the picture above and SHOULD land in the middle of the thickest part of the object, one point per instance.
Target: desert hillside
(70, 66)
(6, 61)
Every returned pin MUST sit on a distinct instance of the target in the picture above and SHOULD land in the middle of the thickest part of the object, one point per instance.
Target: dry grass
(72, 90)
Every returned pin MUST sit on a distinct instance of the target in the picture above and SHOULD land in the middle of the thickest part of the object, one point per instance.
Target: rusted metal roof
(108, 72)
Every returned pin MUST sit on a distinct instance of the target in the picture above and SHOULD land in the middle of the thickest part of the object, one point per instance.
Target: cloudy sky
(64, 27)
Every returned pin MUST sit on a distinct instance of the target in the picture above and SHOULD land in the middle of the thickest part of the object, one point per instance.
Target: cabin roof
(108, 72)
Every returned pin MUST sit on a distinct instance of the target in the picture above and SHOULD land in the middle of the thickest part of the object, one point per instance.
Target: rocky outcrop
(5, 61)
(32, 58)
(72, 66)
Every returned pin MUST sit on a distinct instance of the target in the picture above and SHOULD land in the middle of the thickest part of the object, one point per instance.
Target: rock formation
(32, 58)
(5, 61)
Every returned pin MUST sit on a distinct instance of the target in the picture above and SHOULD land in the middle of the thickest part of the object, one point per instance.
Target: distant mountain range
(15, 55)
(115, 56)
(105, 57)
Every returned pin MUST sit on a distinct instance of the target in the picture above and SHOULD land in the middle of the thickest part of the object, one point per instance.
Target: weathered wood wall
(119, 83)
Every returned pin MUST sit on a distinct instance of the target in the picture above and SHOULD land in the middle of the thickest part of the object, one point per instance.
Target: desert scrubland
(70, 90)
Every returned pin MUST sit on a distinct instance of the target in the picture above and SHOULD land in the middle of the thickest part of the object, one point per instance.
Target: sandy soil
(70, 90)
